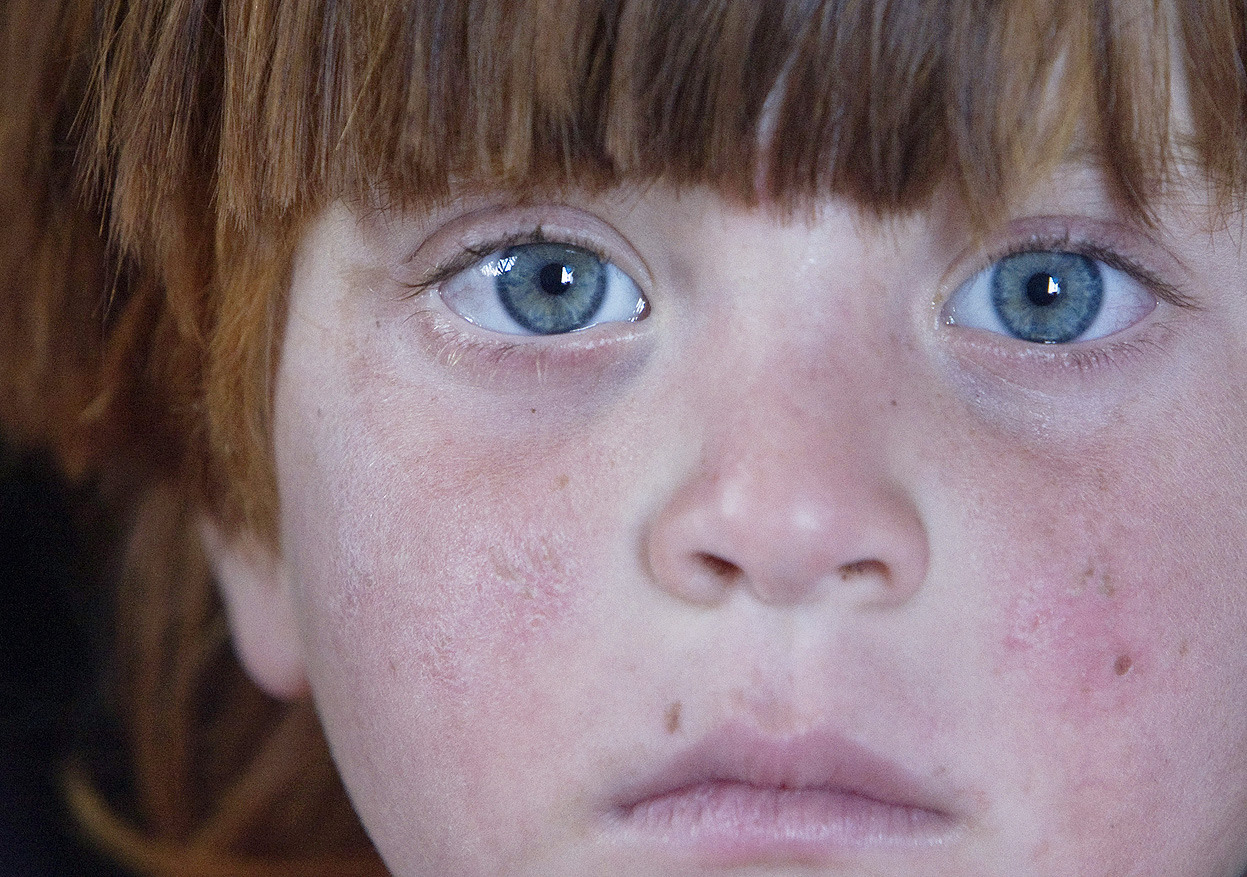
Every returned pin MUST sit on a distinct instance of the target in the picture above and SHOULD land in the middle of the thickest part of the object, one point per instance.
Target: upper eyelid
(471, 255)
(514, 225)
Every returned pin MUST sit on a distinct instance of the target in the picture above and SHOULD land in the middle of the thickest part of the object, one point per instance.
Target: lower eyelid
(533, 366)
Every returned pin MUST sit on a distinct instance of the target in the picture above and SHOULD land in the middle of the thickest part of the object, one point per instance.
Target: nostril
(861, 568)
(718, 567)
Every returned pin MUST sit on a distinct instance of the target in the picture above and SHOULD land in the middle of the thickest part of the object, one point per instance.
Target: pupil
(555, 278)
(1043, 289)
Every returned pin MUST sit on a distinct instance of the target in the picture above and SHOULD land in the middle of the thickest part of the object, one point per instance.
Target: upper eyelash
(1163, 289)
(471, 256)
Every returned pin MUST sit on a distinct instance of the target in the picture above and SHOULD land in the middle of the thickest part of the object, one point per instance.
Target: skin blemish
(561, 482)
(504, 570)
(672, 718)
(1080, 626)
(1101, 580)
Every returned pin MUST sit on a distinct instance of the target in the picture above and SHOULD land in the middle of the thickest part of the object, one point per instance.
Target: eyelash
(471, 256)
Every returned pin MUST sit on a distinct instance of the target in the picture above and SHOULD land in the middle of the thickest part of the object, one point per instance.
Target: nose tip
(788, 544)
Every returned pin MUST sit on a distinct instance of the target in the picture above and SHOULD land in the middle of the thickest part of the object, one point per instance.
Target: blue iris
(1047, 297)
(549, 289)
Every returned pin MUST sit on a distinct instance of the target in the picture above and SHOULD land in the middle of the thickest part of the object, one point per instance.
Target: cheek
(1113, 624)
(452, 573)
(1110, 588)
(1084, 608)
(451, 563)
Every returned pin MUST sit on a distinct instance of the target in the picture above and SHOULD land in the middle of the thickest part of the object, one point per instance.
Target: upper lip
(816, 759)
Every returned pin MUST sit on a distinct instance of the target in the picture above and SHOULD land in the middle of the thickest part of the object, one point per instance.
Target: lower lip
(738, 822)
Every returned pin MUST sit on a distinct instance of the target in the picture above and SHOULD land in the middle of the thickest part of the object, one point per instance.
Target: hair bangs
(787, 100)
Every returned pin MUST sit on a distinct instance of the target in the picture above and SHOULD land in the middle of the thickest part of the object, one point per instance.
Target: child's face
(789, 576)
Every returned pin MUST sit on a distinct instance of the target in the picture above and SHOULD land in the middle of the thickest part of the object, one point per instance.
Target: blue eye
(543, 289)
(1049, 297)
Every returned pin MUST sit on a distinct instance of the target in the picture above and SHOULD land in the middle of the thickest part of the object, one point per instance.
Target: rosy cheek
(1074, 626)
(458, 580)
(1110, 605)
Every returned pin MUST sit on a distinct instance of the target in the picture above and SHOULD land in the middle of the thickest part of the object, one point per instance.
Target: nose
(790, 526)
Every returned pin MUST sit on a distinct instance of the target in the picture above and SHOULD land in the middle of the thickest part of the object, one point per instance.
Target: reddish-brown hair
(158, 161)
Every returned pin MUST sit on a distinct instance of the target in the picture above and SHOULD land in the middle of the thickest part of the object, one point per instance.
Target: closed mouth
(739, 796)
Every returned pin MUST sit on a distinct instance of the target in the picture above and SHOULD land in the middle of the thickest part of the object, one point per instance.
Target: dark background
(52, 624)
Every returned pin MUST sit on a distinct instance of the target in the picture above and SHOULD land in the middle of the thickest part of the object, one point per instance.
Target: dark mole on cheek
(1122, 665)
(673, 717)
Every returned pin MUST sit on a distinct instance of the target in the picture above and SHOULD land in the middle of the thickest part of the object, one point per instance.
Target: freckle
(393, 668)
(1184, 649)
(503, 569)
(377, 324)
(532, 410)
(892, 403)
(1107, 588)
(320, 412)
(673, 717)
(1122, 665)
(561, 482)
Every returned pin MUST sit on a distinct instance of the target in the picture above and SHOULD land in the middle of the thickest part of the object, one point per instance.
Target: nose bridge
(792, 498)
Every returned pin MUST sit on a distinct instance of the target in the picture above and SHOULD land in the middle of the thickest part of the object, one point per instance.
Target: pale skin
(521, 574)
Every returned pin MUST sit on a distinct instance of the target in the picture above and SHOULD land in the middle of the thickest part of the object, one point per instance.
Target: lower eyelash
(1089, 358)
(1108, 356)
(453, 345)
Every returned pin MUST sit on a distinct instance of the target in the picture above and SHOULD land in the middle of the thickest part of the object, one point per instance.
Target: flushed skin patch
(529, 572)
